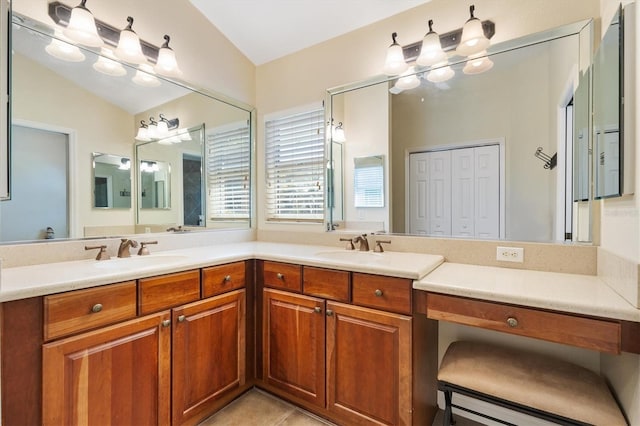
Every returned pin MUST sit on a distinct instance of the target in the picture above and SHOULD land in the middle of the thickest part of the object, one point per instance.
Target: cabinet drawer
(584, 332)
(282, 275)
(223, 278)
(326, 283)
(81, 310)
(166, 291)
(391, 294)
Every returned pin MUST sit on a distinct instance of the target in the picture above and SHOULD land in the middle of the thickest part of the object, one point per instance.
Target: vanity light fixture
(431, 50)
(473, 39)
(149, 166)
(129, 48)
(167, 63)
(143, 132)
(106, 65)
(407, 81)
(478, 63)
(395, 63)
(162, 127)
(82, 27)
(338, 133)
(145, 76)
(440, 73)
(58, 48)
(152, 128)
(125, 164)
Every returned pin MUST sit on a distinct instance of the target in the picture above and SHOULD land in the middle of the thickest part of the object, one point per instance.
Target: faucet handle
(102, 254)
(143, 247)
(349, 241)
(378, 248)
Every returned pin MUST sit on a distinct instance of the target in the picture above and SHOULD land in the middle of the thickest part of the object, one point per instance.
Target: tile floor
(257, 408)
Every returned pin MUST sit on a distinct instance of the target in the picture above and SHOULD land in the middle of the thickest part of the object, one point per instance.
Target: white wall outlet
(510, 254)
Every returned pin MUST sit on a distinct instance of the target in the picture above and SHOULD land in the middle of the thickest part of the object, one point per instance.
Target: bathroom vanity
(352, 336)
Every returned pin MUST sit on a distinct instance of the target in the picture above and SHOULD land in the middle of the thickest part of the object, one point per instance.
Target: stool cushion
(533, 380)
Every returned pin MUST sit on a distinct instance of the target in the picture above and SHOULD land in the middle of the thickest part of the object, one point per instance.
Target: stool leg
(447, 419)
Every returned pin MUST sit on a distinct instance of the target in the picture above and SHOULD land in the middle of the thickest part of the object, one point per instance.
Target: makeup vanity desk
(577, 310)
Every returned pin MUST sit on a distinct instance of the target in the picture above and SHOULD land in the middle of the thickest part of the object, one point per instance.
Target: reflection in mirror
(368, 181)
(111, 181)
(98, 112)
(155, 185)
(478, 134)
(607, 112)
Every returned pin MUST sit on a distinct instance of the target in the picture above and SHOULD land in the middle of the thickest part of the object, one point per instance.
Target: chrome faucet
(363, 243)
(125, 243)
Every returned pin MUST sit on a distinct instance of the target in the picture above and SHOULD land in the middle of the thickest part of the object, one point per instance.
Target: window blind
(369, 182)
(294, 160)
(228, 159)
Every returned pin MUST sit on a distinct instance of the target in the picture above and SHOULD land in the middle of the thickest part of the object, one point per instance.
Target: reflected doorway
(192, 190)
(39, 185)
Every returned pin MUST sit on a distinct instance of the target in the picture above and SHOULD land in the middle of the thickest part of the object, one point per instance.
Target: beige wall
(206, 57)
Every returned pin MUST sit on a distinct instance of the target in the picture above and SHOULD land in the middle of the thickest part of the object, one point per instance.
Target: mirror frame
(569, 29)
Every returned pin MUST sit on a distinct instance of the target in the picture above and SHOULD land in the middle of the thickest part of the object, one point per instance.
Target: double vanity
(352, 336)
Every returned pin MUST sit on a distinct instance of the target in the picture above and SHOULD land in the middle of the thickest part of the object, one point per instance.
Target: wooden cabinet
(294, 344)
(352, 364)
(115, 375)
(208, 354)
(368, 365)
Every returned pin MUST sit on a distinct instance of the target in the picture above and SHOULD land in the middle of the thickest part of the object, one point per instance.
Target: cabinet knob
(280, 276)
(166, 323)
(181, 318)
(317, 309)
(329, 313)
(378, 293)
(512, 322)
(96, 308)
(227, 278)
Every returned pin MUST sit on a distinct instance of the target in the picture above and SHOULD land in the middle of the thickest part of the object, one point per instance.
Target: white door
(487, 191)
(463, 192)
(439, 195)
(418, 184)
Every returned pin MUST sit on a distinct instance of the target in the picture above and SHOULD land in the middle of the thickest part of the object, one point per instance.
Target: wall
(207, 59)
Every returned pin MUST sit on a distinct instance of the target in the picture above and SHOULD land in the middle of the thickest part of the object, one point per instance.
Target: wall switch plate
(510, 254)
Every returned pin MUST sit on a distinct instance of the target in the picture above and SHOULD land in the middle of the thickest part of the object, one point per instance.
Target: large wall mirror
(478, 155)
(90, 105)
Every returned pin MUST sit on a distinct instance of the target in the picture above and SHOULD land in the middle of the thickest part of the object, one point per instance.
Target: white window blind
(369, 181)
(228, 159)
(294, 167)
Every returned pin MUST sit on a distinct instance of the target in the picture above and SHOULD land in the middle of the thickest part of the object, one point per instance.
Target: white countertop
(37, 280)
(580, 294)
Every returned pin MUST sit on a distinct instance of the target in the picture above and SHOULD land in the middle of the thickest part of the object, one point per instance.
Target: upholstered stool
(537, 385)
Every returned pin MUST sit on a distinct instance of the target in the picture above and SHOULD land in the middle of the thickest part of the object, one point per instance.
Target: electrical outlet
(510, 254)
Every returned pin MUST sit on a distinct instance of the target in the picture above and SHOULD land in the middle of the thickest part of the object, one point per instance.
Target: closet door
(463, 192)
(487, 190)
(439, 199)
(418, 183)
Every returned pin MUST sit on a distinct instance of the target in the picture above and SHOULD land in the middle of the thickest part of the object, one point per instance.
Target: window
(228, 159)
(368, 177)
(294, 167)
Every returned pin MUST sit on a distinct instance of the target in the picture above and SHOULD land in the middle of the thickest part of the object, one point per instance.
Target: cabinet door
(368, 365)
(294, 344)
(116, 375)
(208, 354)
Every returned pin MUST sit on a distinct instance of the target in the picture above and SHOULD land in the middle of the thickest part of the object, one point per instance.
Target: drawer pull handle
(166, 323)
(378, 293)
(181, 318)
(329, 313)
(280, 276)
(227, 278)
(512, 322)
(317, 309)
(96, 308)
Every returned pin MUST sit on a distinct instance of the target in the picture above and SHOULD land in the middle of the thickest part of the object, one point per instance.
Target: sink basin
(138, 262)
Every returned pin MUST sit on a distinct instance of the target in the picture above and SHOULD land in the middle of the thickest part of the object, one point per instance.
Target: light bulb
(440, 73)
(65, 51)
(431, 51)
(82, 27)
(473, 39)
(395, 63)
(409, 80)
(108, 66)
(478, 63)
(167, 64)
(129, 48)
